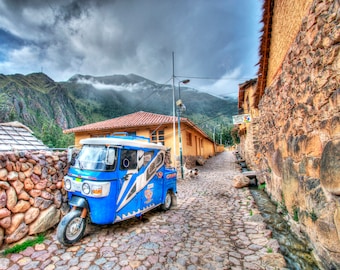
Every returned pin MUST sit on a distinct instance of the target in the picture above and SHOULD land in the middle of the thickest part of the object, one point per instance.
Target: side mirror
(69, 154)
(110, 156)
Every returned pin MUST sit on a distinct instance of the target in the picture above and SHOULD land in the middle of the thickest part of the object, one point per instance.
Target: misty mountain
(129, 79)
(37, 100)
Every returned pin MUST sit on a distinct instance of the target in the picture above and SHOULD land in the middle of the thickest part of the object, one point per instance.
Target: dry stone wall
(299, 132)
(31, 194)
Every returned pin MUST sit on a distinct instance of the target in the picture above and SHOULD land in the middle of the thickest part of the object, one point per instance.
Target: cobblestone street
(214, 226)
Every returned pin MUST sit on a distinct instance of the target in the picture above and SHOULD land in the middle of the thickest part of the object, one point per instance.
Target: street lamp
(181, 108)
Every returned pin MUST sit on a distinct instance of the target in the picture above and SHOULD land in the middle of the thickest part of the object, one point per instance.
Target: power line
(196, 124)
(213, 78)
(151, 94)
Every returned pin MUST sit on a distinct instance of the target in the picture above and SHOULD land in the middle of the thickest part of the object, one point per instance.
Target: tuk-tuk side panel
(138, 191)
(152, 195)
(170, 182)
(135, 181)
(153, 192)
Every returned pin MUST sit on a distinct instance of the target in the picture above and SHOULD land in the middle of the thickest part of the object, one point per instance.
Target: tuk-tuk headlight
(67, 184)
(86, 189)
(95, 189)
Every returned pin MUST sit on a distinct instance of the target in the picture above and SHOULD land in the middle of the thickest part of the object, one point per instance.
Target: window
(99, 135)
(147, 157)
(128, 159)
(122, 133)
(189, 139)
(96, 157)
(157, 136)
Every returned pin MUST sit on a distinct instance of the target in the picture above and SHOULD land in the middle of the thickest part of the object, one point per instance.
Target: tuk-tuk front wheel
(167, 202)
(71, 228)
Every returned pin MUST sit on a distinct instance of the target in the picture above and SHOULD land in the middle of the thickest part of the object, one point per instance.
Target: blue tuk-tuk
(113, 179)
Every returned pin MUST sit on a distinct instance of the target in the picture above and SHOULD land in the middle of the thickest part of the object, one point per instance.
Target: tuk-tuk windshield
(96, 157)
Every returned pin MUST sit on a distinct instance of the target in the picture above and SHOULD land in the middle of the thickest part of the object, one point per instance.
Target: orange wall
(201, 146)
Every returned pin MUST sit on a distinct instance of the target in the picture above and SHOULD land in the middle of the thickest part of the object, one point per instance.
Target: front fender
(79, 202)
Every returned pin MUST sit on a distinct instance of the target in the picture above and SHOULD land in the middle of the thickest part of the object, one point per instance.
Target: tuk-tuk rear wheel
(167, 202)
(71, 228)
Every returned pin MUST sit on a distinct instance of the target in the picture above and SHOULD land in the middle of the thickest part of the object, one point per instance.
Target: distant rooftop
(138, 119)
(134, 120)
(16, 136)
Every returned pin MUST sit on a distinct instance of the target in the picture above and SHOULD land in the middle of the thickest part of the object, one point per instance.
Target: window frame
(158, 136)
(189, 138)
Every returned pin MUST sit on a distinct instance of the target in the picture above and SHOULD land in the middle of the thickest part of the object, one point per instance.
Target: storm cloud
(215, 43)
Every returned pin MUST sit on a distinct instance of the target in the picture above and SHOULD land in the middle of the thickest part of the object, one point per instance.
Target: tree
(230, 135)
(52, 136)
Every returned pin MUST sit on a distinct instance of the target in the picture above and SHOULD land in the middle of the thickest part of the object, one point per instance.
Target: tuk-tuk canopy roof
(122, 141)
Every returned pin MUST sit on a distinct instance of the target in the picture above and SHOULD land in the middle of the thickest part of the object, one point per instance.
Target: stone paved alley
(214, 226)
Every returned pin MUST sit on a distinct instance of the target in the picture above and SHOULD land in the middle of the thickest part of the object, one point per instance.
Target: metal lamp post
(181, 107)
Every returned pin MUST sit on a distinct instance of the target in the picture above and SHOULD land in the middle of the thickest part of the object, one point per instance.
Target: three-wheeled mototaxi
(113, 179)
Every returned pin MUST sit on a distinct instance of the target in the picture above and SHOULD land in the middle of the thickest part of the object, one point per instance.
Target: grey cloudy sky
(215, 42)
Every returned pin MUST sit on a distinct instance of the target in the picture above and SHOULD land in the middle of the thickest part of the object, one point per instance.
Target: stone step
(250, 174)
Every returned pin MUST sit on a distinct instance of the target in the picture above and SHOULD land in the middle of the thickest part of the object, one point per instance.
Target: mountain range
(39, 102)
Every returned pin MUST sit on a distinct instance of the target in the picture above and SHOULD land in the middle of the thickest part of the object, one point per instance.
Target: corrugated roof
(16, 136)
(133, 120)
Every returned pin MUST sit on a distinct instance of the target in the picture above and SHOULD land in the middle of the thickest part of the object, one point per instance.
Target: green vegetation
(47, 107)
(282, 206)
(313, 215)
(296, 213)
(52, 136)
(2, 101)
(262, 186)
(28, 243)
(251, 212)
(269, 250)
(222, 125)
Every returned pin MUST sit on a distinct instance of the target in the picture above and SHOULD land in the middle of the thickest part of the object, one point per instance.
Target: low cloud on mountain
(215, 42)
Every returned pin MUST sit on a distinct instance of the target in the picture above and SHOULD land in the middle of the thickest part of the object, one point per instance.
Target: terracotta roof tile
(138, 119)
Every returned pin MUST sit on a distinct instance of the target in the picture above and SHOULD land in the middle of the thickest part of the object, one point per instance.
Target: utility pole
(173, 108)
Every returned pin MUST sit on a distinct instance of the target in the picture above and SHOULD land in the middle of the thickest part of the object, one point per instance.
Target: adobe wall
(31, 195)
(299, 131)
(285, 26)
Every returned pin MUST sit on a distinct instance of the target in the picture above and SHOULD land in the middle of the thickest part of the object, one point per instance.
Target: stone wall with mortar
(31, 195)
(298, 132)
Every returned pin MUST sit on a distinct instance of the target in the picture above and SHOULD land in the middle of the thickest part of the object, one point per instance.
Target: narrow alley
(214, 226)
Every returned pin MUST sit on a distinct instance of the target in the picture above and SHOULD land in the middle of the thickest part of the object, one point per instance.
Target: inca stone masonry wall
(299, 132)
(31, 195)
